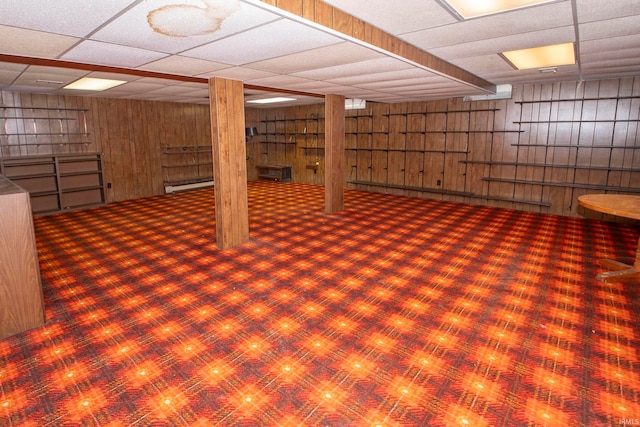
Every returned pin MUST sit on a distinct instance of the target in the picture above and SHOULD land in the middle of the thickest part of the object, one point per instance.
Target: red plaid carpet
(395, 312)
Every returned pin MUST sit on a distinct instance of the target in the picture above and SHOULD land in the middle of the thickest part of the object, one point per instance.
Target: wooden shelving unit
(304, 133)
(58, 182)
(450, 146)
(529, 153)
(24, 127)
(548, 148)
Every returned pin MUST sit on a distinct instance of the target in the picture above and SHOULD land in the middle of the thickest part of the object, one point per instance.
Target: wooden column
(226, 99)
(334, 153)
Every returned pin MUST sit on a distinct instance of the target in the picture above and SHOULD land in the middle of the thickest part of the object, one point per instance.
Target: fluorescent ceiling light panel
(89, 83)
(474, 8)
(355, 104)
(541, 57)
(270, 100)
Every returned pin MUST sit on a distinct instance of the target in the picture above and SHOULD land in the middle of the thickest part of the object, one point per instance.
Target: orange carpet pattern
(395, 312)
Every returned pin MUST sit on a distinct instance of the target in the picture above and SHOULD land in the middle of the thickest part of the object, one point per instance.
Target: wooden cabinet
(58, 182)
(21, 300)
(274, 172)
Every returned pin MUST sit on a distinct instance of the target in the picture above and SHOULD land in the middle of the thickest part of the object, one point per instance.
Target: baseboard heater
(182, 187)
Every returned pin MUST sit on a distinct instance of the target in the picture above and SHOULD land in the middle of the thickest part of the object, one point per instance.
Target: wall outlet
(438, 183)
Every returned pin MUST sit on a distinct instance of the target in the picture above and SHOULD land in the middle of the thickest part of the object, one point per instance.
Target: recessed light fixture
(473, 8)
(89, 83)
(355, 104)
(270, 100)
(542, 57)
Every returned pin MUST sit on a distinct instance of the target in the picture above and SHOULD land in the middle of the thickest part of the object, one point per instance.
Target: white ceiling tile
(594, 10)
(269, 41)
(315, 86)
(32, 88)
(610, 28)
(356, 68)
(397, 17)
(503, 44)
(238, 73)
(30, 43)
(391, 85)
(184, 65)
(95, 52)
(133, 28)
(48, 76)
(341, 53)
(522, 21)
(390, 76)
(60, 16)
(7, 76)
(113, 76)
(610, 44)
(134, 87)
(483, 64)
(173, 90)
(277, 81)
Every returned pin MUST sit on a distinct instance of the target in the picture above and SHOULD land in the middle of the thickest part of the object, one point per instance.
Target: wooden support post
(226, 99)
(334, 153)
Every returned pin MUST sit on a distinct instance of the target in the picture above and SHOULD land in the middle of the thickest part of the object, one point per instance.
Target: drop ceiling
(167, 49)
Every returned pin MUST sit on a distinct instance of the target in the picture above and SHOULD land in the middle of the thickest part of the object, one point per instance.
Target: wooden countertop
(615, 204)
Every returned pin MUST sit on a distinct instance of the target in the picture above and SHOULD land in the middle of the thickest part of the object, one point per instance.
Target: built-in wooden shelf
(39, 118)
(410, 188)
(442, 112)
(293, 119)
(610, 98)
(563, 184)
(459, 131)
(45, 134)
(399, 150)
(279, 142)
(576, 121)
(58, 182)
(511, 200)
(549, 165)
(625, 147)
(6, 107)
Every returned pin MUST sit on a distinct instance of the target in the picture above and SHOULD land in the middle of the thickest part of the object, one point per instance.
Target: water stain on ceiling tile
(184, 20)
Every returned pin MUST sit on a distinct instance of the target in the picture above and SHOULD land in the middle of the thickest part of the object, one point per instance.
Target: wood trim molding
(28, 60)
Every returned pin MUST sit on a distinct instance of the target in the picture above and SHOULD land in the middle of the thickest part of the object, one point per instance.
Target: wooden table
(619, 205)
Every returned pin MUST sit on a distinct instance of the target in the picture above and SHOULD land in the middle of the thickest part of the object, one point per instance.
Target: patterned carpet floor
(395, 312)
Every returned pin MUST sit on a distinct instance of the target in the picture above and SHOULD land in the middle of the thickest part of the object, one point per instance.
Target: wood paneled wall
(130, 133)
(133, 135)
(538, 151)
